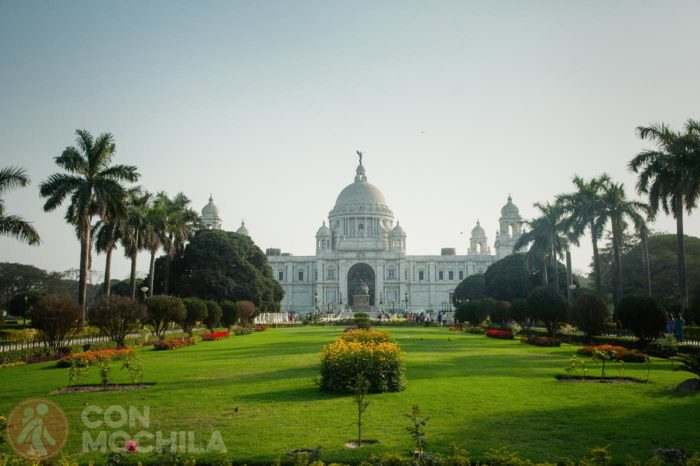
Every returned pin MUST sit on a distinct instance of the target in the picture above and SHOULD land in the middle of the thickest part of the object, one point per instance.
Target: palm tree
(181, 224)
(134, 231)
(584, 208)
(670, 177)
(94, 187)
(154, 235)
(619, 210)
(547, 233)
(13, 225)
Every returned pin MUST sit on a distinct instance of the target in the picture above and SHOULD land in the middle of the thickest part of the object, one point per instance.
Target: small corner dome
(510, 209)
(242, 230)
(323, 230)
(210, 209)
(398, 230)
(478, 231)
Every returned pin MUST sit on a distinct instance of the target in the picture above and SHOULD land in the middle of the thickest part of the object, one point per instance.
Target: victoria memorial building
(362, 250)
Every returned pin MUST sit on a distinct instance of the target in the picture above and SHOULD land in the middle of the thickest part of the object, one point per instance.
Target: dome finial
(360, 174)
(211, 198)
(510, 199)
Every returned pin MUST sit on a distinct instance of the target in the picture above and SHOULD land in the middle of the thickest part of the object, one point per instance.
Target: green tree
(470, 289)
(195, 311)
(109, 231)
(134, 231)
(619, 210)
(548, 236)
(13, 225)
(642, 316)
(154, 237)
(584, 210)
(20, 278)
(229, 313)
(56, 318)
(163, 310)
(21, 304)
(508, 278)
(116, 317)
(670, 176)
(214, 314)
(469, 312)
(220, 265)
(94, 186)
(590, 314)
(547, 305)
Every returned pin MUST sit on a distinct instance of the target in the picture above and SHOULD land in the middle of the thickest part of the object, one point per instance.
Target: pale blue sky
(263, 104)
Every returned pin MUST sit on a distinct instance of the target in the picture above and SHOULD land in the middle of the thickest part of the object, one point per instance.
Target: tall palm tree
(670, 177)
(134, 231)
(548, 236)
(584, 211)
(620, 210)
(154, 235)
(13, 225)
(181, 224)
(94, 186)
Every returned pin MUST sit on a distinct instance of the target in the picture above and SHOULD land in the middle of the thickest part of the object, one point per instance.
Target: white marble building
(361, 243)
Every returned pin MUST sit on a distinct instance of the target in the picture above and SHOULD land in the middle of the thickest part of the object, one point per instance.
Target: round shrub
(195, 311)
(214, 314)
(381, 363)
(470, 312)
(162, 310)
(590, 314)
(642, 316)
(366, 336)
(247, 312)
(361, 320)
(549, 307)
(229, 313)
(56, 318)
(520, 312)
(117, 316)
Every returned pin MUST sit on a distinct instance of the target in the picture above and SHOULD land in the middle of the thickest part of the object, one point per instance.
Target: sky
(263, 105)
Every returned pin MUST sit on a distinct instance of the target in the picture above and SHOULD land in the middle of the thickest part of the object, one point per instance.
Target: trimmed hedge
(363, 352)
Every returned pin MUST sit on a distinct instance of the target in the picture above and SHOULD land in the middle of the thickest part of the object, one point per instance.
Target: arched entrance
(358, 274)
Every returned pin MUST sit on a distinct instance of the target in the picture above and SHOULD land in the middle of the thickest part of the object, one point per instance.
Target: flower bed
(173, 343)
(87, 358)
(457, 328)
(261, 328)
(367, 353)
(499, 333)
(619, 353)
(541, 341)
(215, 336)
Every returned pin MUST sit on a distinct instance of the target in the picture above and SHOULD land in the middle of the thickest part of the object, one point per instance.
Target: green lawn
(479, 393)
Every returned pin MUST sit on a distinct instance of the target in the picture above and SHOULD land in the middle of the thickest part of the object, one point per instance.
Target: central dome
(360, 197)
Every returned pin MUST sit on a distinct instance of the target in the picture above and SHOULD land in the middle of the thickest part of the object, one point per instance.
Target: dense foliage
(547, 306)
(214, 314)
(195, 311)
(116, 317)
(56, 318)
(508, 278)
(164, 310)
(366, 353)
(229, 313)
(470, 312)
(641, 315)
(221, 266)
(590, 314)
(471, 288)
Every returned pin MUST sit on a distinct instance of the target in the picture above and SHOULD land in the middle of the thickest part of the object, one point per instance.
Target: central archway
(358, 274)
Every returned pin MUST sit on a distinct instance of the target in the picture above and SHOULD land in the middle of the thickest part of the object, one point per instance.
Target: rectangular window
(441, 275)
(391, 274)
(461, 274)
(450, 275)
(301, 276)
(280, 276)
(420, 275)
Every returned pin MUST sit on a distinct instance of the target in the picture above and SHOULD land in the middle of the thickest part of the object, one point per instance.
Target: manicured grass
(479, 393)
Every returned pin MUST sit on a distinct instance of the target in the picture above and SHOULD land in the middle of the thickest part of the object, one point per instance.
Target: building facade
(362, 246)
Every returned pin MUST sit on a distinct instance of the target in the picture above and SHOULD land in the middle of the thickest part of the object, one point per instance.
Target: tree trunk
(569, 278)
(166, 272)
(108, 270)
(682, 273)
(82, 277)
(152, 271)
(555, 268)
(545, 280)
(645, 260)
(132, 278)
(596, 262)
(617, 260)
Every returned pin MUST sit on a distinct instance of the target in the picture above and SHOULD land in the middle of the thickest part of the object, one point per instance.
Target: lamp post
(570, 291)
(405, 299)
(26, 309)
(144, 290)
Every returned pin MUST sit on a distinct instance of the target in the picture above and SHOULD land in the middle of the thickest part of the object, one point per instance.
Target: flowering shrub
(173, 343)
(88, 358)
(475, 329)
(215, 336)
(457, 328)
(499, 333)
(366, 336)
(369, 354)
(541, 341)
(261, 328)
(616, 353)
